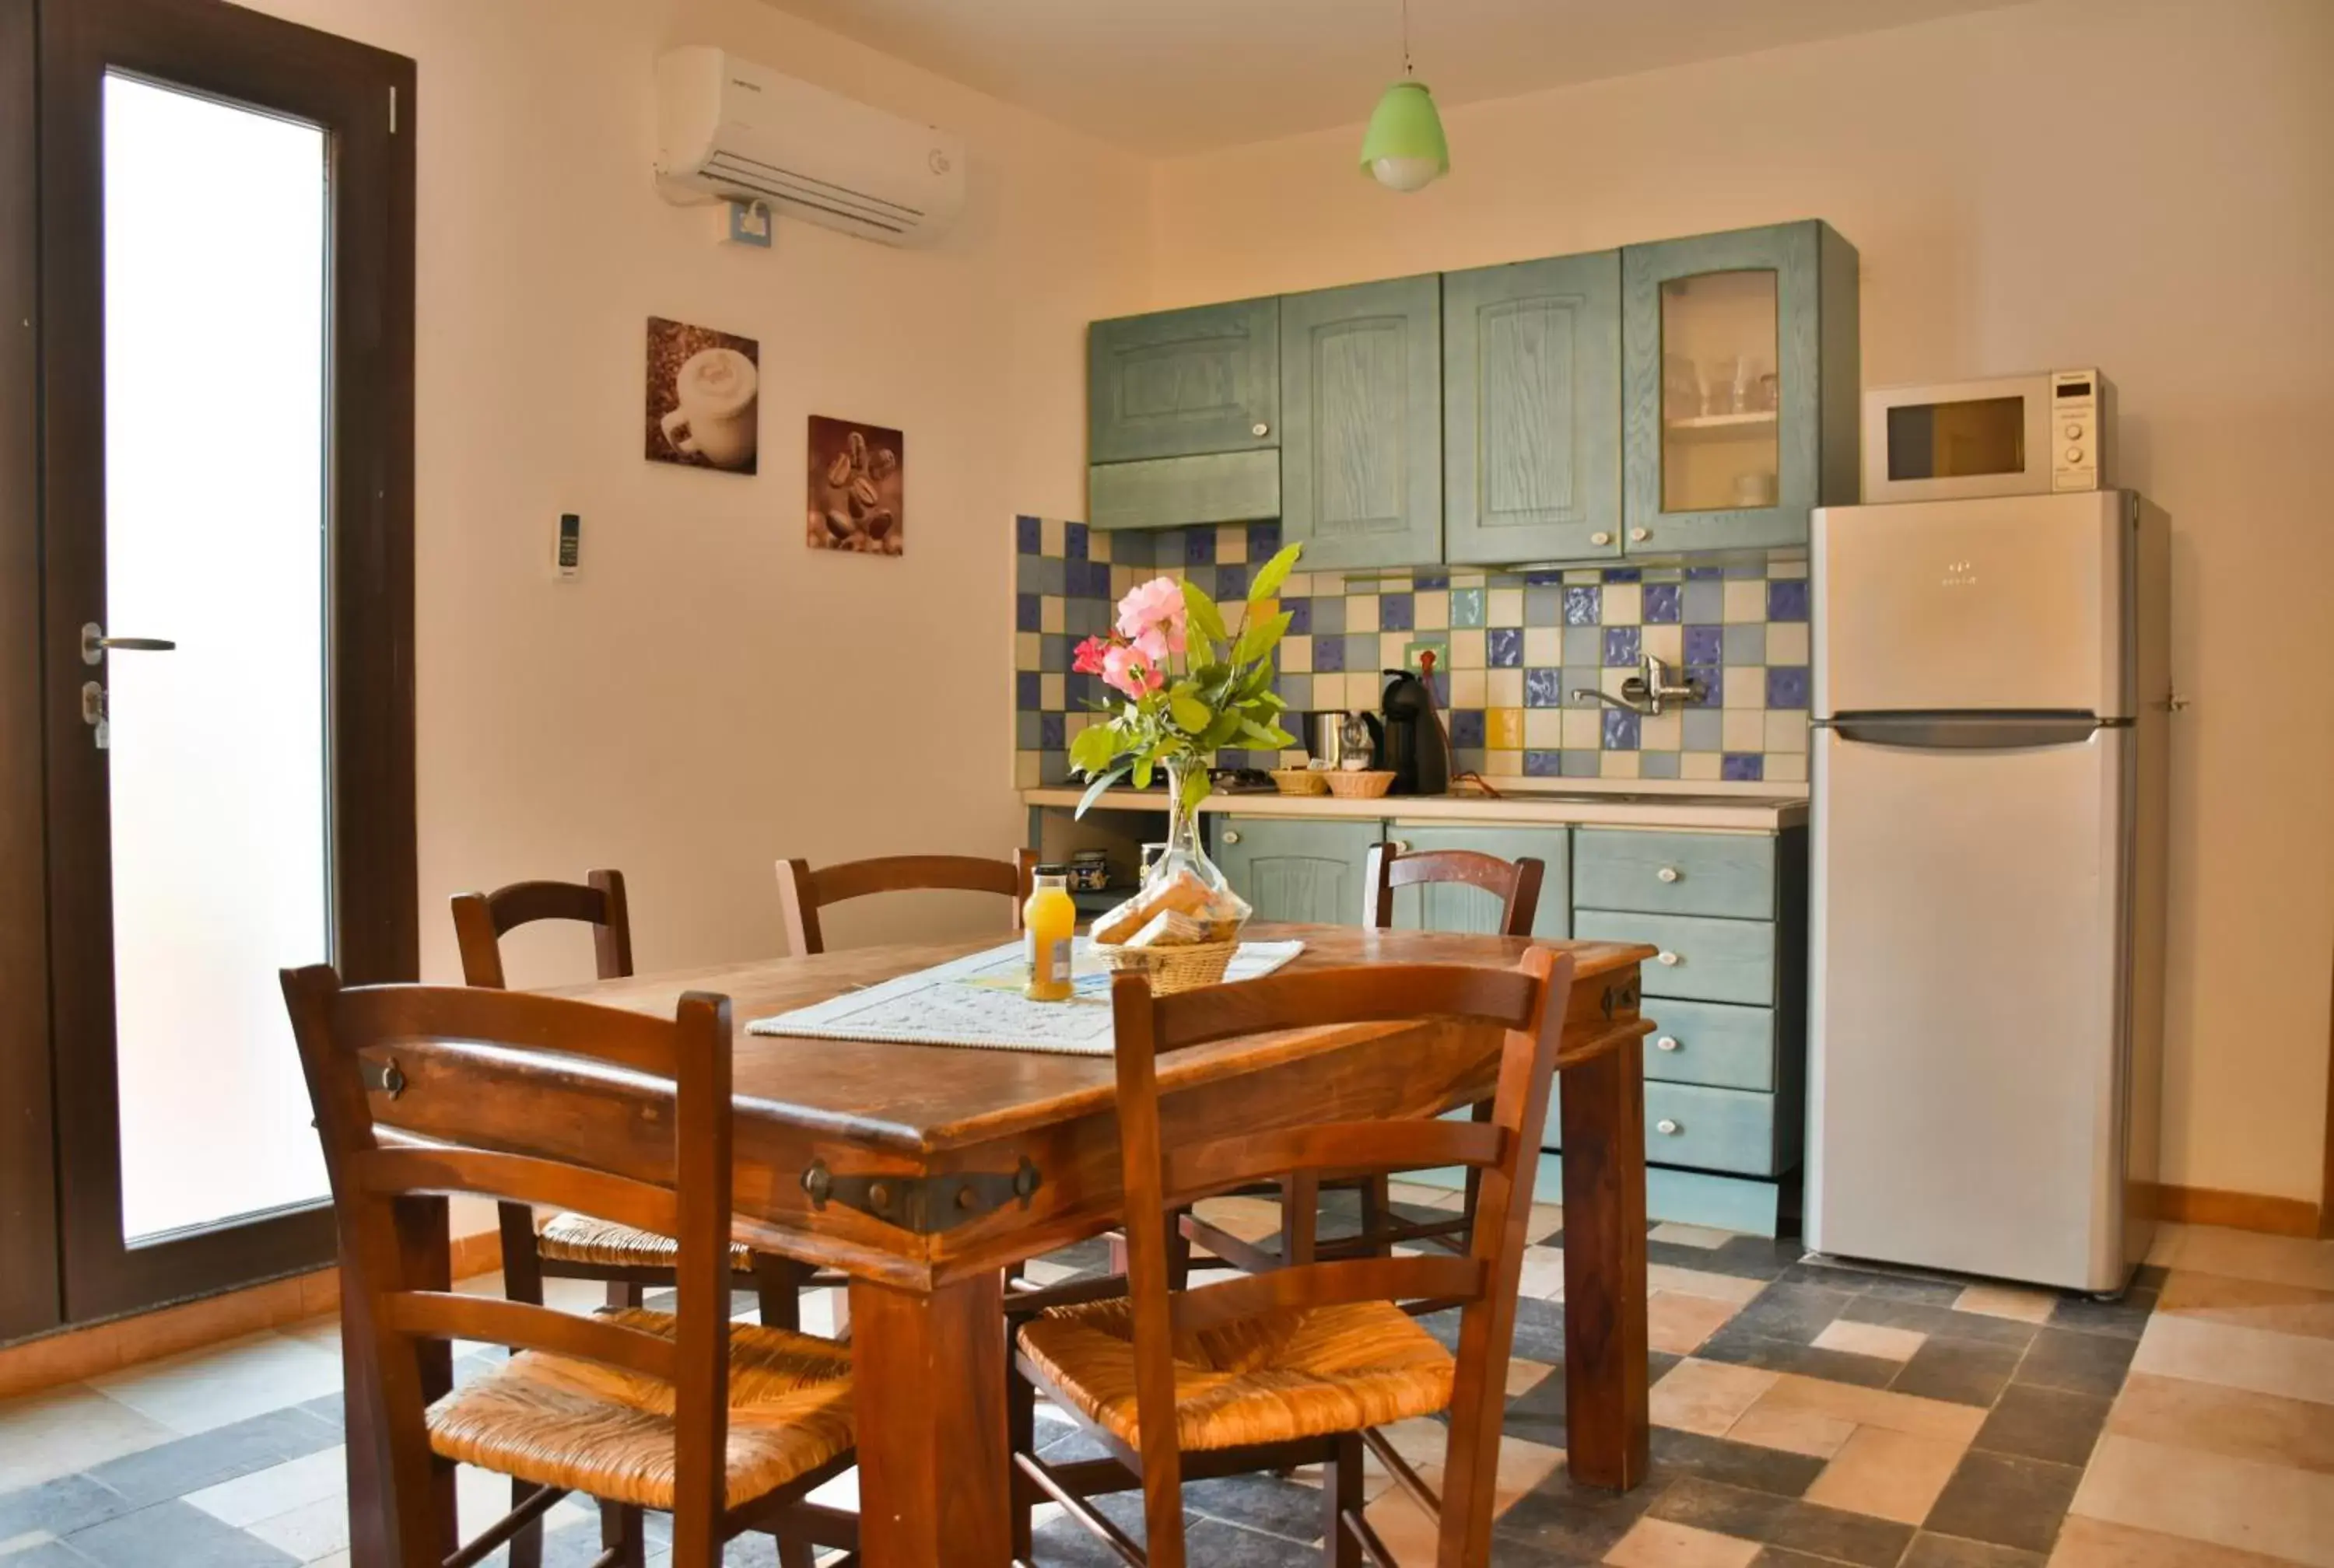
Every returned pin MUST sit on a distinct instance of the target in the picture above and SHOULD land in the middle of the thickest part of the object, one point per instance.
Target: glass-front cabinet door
(1738, 385)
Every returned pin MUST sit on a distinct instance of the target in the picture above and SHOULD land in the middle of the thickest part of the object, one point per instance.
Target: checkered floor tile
(1805, 1413)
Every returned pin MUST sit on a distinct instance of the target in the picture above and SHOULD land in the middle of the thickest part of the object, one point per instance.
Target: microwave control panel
(2079, 412)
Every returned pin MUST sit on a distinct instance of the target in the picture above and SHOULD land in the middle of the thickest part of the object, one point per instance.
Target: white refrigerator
(1989, 697)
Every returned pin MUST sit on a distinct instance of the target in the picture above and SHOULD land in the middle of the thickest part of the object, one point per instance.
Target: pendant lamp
(1403, 148)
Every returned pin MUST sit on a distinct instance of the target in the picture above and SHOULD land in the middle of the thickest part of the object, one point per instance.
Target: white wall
(2143, 185)
(711, 694)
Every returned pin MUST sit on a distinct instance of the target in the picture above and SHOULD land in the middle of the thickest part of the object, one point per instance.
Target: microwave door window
(1957, 440)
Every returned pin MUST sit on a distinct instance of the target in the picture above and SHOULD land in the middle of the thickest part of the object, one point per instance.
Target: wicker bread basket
(1300, 781)
(1172, 968)
(1359, 786)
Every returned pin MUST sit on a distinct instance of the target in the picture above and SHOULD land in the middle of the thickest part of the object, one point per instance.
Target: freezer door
(2015, 601)
(1966, 1093)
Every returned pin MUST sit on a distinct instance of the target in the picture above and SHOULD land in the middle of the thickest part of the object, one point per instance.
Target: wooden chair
(1516, 884)
(725, 1426)
(805, 892)
(574, 1246)
(1298, 1365)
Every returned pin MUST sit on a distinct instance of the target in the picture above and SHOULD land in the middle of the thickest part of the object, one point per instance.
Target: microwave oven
(2031, 435)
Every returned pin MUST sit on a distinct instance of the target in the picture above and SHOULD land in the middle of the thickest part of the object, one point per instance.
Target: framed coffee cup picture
(858, 488)
(703, 398)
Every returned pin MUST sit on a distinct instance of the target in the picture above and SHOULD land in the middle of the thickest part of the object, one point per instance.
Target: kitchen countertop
(1586, 806)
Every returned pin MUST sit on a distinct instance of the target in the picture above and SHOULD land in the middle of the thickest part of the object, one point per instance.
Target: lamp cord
(1406, 70)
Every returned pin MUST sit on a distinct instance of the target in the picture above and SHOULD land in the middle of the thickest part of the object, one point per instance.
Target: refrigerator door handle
(1966, 731)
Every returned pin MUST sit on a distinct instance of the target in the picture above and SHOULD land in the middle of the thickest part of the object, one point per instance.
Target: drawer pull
(1231, 835)
(1668, 874)
(1670, 959)
(1668, 1128)
(1666, 1043)
(1260, 428)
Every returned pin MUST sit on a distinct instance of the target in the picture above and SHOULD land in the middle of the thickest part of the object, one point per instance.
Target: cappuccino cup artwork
(858, 488)
(703, 397)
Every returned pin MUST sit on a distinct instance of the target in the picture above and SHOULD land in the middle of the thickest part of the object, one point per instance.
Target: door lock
(93, 711)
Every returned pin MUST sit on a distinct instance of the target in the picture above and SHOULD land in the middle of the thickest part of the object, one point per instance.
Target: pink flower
(1127, 670)
(1087, 659)
(1158, 603)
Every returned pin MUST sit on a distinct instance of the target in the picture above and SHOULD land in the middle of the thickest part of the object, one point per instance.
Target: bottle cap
(1053, 870)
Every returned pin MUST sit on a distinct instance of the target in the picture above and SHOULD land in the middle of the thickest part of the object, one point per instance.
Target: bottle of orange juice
(1049, 920)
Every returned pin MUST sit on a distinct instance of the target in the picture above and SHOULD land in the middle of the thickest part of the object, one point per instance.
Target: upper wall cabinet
(1740, 396)
(1183, 383)
(1531, 411)
(1360, 402)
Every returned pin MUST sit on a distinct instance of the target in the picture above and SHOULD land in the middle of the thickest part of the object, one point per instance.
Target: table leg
(934, 1464)
(1604, 1110)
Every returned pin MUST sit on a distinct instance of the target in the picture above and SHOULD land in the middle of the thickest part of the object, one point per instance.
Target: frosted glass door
(215, 290)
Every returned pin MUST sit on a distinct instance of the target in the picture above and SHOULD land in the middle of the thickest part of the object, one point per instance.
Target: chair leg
(1377, 1211)
(797, 1553)
(522, 1282)
(1179, 1251)
(1020, 1438)
(777, 1281)
(1341, 1493)
(623, 1532)
(622, 1294)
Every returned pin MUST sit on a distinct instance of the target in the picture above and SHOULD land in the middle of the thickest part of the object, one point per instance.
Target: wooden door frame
(29, 1297)
(2326, 1190)
(364, 98)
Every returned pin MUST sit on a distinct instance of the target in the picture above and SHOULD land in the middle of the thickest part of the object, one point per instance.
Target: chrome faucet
(1649, 691)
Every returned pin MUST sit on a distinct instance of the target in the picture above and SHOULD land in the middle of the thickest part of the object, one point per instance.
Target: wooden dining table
(923, 1171)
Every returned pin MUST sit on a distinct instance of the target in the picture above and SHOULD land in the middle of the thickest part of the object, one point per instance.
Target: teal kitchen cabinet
(1361, 406)
(1740, 386)
(1183, 415)
(1292, 869)
(1448, 908)
(1531, 411)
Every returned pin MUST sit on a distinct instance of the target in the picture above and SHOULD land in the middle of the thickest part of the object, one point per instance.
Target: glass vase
(1184, 852)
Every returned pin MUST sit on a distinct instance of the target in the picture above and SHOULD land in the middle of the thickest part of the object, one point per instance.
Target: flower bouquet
(1187, 685)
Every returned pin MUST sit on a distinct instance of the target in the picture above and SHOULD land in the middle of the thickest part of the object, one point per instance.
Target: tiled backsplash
(1515, 646)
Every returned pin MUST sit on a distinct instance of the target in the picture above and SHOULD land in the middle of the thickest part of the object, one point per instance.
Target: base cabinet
(1296, 870)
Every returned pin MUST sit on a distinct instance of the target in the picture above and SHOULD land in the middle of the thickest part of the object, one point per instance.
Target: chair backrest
(481, 921)
(805, 892)
(1515, 884)
(398, 1314)
(1527, 1003)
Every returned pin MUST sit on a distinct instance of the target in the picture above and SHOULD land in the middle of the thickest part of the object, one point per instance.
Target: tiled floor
(1805, 1414)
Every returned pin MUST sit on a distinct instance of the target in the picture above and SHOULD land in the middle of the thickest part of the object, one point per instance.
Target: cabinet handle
(1668, 874)
(1600, 538)
(1670, 959)
(1666, 1043)
(1668, 1128)
(1231, 835)
(1260, 428)
(1641, 534)
(1399, 846)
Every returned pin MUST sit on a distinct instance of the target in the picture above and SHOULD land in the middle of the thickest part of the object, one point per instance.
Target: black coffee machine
(1414, 747)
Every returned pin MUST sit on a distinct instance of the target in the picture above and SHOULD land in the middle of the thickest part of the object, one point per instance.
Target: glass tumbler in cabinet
(1741, 380)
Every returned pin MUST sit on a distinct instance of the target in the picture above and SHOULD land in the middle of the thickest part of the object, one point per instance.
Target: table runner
(976, 1001)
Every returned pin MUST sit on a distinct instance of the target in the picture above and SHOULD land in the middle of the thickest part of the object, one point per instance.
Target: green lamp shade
(1403, 147)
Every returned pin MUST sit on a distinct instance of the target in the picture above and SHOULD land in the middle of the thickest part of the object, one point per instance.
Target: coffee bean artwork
(857, 476)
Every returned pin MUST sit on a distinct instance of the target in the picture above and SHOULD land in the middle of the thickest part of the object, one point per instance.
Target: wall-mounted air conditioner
(729, 130)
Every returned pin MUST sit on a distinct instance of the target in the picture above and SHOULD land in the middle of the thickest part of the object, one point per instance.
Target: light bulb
(1405, 173)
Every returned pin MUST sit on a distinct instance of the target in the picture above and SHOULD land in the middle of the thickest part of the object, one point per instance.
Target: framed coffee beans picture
(857, 486)
(703, 397)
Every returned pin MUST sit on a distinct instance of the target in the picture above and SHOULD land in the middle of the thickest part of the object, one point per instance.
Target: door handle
(94, 643)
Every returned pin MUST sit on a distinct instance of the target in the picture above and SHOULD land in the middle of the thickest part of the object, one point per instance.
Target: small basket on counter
(1300, 781)
(1359, 786)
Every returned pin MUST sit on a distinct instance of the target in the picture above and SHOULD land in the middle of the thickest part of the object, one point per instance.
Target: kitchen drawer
(1705, 1129)
(1712, 1042)
(1729, 1130)
(1701, 960)
(1729, 874)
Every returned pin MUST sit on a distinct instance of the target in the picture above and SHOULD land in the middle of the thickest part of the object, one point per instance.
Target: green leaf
(1092, 748)
(1220, 734)
(1192, 714)
(1143, 771)
(1206, 619)
(1259, 639)
(1275, 573)
(1196, 785)
(1262, 735)
(1093, 790)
